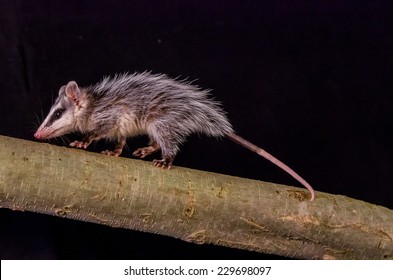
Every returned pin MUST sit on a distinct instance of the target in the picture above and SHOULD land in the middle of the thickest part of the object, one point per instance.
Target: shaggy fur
(165, 109)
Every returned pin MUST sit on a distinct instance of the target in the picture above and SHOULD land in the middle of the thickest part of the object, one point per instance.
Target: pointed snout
(38, 135)
(41, 134)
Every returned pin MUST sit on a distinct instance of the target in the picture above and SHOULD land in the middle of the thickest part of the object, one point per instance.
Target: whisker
(41, 110)
(64, 140)
(34, 122)
(37, 117)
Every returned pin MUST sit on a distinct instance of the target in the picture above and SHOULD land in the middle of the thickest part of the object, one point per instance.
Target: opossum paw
(79, 144)
(114, 153)
(165, 163)
(142, 152)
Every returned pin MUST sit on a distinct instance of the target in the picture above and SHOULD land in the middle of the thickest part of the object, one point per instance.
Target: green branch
(192, 205)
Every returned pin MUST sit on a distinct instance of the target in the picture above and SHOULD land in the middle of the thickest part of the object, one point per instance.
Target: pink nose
(37, 135)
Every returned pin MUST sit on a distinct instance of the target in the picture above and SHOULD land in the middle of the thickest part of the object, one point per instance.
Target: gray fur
(165, 109)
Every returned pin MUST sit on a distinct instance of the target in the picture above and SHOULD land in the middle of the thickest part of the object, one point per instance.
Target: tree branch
(192, 205)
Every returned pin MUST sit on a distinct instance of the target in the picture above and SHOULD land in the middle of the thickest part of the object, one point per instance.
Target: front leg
(118, 149)
(85, 141)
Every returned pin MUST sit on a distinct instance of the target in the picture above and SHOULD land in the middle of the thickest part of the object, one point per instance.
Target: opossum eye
(58, 113)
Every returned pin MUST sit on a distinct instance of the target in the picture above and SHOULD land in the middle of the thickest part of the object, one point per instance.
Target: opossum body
(165, 109)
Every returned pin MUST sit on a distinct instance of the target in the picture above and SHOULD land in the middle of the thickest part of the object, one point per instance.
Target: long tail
(247, 144)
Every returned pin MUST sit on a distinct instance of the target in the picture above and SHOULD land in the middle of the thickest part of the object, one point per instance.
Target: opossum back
(177, 104)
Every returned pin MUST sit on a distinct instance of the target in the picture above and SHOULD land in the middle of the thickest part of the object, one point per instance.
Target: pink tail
(241, 141)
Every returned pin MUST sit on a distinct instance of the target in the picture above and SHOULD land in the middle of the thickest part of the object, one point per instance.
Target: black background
(311, 82)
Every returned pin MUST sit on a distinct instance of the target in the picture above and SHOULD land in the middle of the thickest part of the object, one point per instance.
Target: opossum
(167, 110)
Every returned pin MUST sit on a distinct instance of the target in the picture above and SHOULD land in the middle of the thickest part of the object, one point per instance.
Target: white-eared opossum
(165, 109)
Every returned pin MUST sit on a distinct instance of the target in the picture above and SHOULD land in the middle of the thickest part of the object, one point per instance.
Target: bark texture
(192, 205)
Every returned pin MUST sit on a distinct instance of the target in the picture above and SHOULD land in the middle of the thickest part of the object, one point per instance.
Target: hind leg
(169, 145)
(145, 151)
(165, 163)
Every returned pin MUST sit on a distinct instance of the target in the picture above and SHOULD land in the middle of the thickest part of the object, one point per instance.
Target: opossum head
(62, 117)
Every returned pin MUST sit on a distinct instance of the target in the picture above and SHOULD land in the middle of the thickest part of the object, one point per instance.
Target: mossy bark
(192, 205)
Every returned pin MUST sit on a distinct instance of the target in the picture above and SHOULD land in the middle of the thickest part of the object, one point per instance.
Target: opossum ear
(62, 90)
(72, 91)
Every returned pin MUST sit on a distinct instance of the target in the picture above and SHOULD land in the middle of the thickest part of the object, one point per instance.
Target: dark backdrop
(310, 82)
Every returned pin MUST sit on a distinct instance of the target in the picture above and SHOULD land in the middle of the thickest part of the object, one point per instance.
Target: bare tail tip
(309, 188)
(312, 195)
(252, 147)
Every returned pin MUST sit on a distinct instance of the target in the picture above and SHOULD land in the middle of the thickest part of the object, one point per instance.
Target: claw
(79, 144)
(114, 153)
(139, 153)
(165, 163)
(143, 152)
